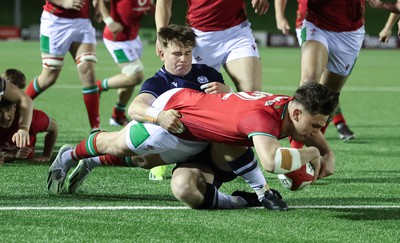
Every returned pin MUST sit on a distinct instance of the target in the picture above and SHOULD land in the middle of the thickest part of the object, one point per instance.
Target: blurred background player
(65, 27)
(224, 38)
(282, 24)
(9, 118)
(121, 38)
(386, 32)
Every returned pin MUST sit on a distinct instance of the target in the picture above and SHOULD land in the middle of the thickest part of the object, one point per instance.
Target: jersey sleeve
(154, 86)
(259, 123)
(40, 122)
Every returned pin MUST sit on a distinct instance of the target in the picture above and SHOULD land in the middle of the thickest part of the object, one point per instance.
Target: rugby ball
(298, 179)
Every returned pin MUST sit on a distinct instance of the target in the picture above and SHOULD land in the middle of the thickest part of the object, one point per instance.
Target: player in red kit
(121, 38)
(65, 27)
(338, 119)
(245, 119)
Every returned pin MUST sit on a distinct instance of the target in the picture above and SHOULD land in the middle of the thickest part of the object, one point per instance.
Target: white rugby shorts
(343, 47)
(124, 51)
(57, 34)
(216, 48)
(145, 138)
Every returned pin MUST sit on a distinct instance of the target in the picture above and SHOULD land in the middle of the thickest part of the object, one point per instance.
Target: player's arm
(49, 142)
(386, 32)
(141, 110)
(69, 4)
(281, 21)
(162, 16)
(388, 6)
(113, 25)
(260, 6)
(281, 160)
(328, 157)
(216, 88)
(24, 103)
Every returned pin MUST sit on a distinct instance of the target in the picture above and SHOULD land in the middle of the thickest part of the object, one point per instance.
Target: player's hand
(115, 27)
(73, 4)
(169, 120)
(327, 165)
(42, 159)
(283, 25)
(316, 163)
(23, 152)
(385, 35)
(21, 138)
(215, 88)
(260, 6)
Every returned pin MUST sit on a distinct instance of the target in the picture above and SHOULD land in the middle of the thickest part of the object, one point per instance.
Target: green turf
(367, 169)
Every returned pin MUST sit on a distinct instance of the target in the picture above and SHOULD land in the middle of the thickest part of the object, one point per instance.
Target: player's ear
(296, 113)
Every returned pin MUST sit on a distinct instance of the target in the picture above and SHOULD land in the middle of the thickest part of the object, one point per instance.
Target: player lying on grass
(9, 119)
(13, 94)
(246, 118)
(203, 179)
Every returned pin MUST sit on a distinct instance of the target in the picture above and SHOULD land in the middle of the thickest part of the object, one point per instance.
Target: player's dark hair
(5, 103)
(181, 35)
(316, 98)
(15, 77)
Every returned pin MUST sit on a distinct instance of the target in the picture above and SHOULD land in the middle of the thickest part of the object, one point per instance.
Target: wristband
(152, 114)
(108, 20)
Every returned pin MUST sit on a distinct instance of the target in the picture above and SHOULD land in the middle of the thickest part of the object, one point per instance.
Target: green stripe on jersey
(138, 134)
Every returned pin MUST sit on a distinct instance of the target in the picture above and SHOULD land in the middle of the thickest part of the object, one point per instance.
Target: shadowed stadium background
(31, 11)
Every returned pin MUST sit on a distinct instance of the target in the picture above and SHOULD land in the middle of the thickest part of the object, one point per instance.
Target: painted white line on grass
(185, 208)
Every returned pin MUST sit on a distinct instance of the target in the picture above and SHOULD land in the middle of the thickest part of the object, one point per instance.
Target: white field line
(68, 208)
(283, 88)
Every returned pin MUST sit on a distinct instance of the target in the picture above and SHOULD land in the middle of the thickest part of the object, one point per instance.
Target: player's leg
(243, 162)
(193, 185)
(85, 59)
(246, 73)
(126, 55)
(55, 41)
(242, 59)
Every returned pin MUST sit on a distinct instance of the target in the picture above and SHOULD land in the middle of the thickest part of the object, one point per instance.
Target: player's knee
(183, 186)
(86, 57)
(52, 62)
(134, 72)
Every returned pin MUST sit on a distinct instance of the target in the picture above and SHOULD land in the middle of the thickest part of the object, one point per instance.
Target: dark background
(32, 9)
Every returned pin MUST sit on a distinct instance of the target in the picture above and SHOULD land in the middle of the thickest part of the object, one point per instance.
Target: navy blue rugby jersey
(163, 81)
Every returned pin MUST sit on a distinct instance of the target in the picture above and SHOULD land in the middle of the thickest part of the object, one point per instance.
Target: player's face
(308, 125)
(177, 59)
(7, 115)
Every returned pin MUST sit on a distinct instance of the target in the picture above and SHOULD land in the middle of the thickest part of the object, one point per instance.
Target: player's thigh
(222, 153)
(245, 72)
(184, 172)
(314, 58)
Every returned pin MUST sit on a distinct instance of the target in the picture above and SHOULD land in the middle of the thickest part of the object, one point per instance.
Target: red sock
(33, 89)
(109, 159)
(86, 148)
(92, 103)
(118, 113)
(338, 118)
(98, 83)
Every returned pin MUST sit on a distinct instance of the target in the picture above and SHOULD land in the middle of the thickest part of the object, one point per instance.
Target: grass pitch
(359, 203)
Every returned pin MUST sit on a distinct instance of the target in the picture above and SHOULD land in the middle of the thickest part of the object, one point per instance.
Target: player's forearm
(280, 6)
(49, 142)
(163, 13)
(25, 112)
(392, 20)
(319, 142)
